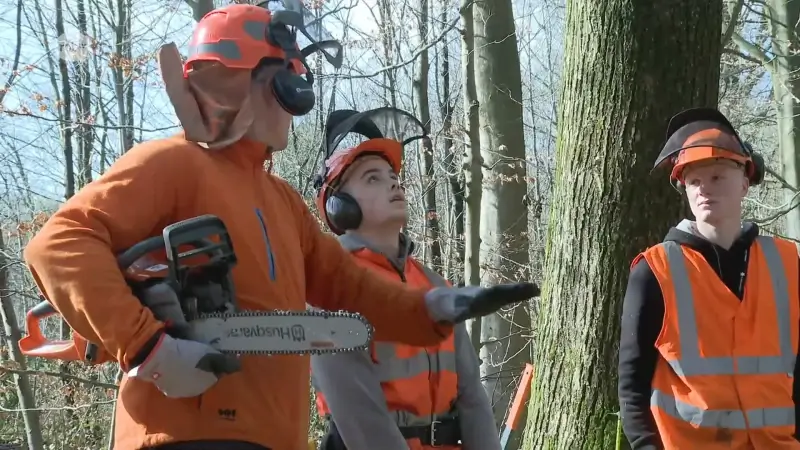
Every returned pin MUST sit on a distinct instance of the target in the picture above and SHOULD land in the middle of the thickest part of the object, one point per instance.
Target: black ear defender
(759, 167)
(343, 211)
(293, 92)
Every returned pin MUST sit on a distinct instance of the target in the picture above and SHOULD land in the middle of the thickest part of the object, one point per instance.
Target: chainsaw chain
(305, 313)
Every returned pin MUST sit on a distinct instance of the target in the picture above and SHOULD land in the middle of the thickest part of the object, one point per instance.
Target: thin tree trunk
(84, 110)
(67, 127)
(12, 335)
(420, 85)
(66, 124)
(504, 216)
(123, 91)
(452, 162)
(473, 175)
(606, 205)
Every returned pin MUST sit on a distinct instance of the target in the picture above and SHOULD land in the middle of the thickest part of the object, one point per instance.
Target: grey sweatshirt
(356, 402)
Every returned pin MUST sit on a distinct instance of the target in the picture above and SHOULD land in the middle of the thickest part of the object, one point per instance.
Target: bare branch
(408, 61)
(63, 376)
(735, 10)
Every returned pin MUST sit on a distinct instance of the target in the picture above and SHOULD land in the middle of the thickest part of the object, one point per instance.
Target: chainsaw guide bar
(307, 332)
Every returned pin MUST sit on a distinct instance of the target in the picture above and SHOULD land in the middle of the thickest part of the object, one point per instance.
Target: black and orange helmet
(705, 133)
(387, 131)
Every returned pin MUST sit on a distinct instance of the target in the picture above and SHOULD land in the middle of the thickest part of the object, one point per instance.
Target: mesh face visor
(350, 134)
(387, 123)
(313, 37)
(699, 141)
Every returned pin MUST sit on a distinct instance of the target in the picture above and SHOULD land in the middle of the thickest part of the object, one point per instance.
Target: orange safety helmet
(705, 133)
(237, 36)
(339, 210)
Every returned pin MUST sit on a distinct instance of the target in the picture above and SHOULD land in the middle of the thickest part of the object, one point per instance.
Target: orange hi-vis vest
(420, 383)
(725, 373)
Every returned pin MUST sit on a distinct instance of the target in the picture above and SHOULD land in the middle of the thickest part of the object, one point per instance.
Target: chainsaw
(193, 260)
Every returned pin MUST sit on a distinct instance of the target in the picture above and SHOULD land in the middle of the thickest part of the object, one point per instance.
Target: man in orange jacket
(235, 97)
(394, 396)
(710, 317)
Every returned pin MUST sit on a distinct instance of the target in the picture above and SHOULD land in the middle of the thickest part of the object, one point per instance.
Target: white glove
(181, 368)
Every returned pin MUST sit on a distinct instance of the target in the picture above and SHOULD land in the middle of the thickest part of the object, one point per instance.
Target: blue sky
(156, 22)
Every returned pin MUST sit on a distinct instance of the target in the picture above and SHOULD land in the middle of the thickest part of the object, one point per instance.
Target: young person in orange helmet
(394, 396)
(235, 97)
(710, 318)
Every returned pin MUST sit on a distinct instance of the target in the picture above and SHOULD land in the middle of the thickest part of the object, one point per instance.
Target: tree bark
(628, 67)
(504, 221)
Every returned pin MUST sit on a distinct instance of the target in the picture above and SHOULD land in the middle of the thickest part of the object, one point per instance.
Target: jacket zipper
(265, 234)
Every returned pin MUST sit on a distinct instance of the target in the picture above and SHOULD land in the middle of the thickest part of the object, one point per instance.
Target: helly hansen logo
(227, 414)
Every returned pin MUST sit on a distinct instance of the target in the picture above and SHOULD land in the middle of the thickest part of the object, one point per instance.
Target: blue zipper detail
(269, 246)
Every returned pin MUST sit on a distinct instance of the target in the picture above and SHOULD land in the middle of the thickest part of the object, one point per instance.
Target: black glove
(455, 305)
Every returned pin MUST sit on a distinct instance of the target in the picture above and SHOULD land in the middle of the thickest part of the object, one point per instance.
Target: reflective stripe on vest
(389, 367)
(691, 363)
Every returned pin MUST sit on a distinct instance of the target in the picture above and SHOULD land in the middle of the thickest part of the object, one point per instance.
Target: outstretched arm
(356, 401)
(72, 259)
(478, 429)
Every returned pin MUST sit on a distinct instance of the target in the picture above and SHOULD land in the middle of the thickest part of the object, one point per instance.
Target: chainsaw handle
(36, 344)
(189, 232)
(42, 309)
(129, 256)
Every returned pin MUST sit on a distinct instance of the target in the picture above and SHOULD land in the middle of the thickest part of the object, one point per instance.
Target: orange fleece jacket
(284, 259)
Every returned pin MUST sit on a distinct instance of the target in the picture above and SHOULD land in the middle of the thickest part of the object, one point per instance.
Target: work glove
(181, 368)
(456, 305)
(162, 300)
(180, 365)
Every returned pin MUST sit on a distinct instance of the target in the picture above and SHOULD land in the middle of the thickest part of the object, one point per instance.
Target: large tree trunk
(628, 67)
(503, 226)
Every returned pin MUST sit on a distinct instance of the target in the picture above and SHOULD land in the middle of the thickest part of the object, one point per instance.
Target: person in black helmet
(710, 316)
